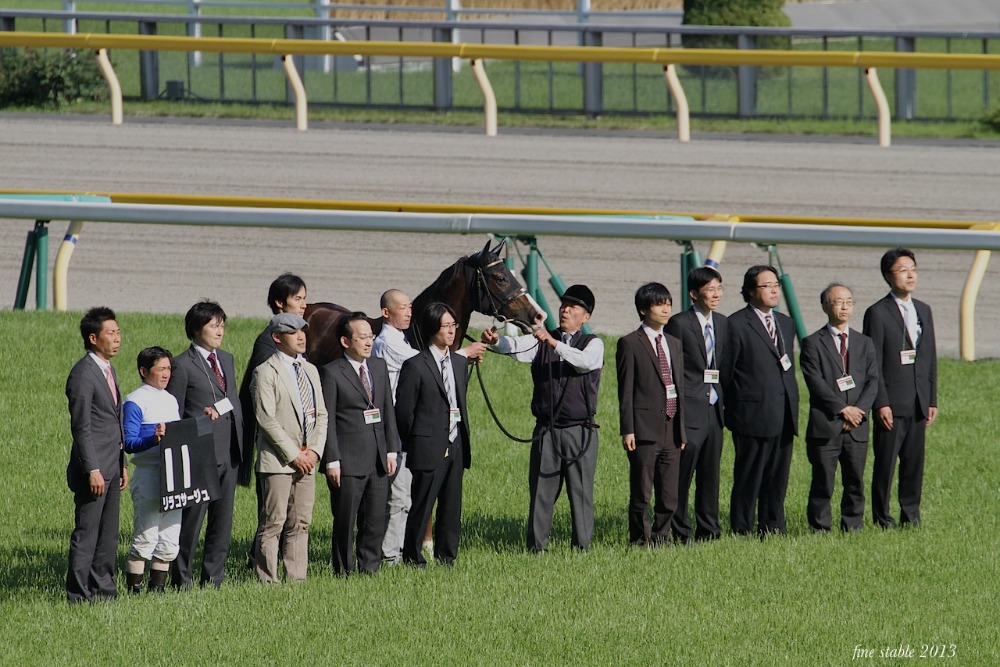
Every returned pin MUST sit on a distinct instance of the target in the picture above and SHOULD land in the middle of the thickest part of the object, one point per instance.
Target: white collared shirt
(288, 362)
(835, 332)
(391, 346)
(652, 334)
(448, 369)
(908, 311)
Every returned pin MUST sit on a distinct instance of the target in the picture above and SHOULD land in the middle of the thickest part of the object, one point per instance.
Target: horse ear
(486, 249)
(499, 246)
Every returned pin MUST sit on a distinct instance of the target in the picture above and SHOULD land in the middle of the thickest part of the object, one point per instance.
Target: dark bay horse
(479, 282)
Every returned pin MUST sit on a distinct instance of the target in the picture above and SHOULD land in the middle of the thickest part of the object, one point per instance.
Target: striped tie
(452, 402)
(306, 398)
(769, 325)
(709, 343)
(218, 372)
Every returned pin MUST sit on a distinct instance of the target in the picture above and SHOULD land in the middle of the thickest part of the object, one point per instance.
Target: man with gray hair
(841, 371)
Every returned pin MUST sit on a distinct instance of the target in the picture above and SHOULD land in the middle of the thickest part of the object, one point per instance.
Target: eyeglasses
(450, 325)
(840, 303)
(769, 286)
(713, 290)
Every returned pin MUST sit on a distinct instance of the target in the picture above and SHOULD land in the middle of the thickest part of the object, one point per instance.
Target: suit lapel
(103, 381)
(827, 343)
(348, 370)
(758, 328)
(699, 334)
(647, 344)
(435, 371)
(292, 387)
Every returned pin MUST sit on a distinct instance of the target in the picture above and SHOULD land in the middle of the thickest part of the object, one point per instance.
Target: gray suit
(95, 422)
(195, 387)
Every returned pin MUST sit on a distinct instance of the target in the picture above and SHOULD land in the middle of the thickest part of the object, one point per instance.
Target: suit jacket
(642, 395)
(95, 423)
(423, 410)
(263, 348)
(759, 394)
(685, 327)
(279, 415)
(909, 390)
(822, 366)
(361, 448)
(195, 387)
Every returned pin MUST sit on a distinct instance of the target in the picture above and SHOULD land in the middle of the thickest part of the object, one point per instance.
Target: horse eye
(502, 279)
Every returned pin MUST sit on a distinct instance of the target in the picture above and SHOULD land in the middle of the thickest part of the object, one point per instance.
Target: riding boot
(134, 582)
(157, 580)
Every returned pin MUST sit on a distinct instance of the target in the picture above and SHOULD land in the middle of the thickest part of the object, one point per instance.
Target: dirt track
(160, 268)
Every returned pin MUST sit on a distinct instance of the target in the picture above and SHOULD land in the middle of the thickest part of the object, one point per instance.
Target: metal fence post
(906, 83)
(294, 31)
(746, 79)
(7, 24)
(442, 73)
(149, 66)
(593, 78)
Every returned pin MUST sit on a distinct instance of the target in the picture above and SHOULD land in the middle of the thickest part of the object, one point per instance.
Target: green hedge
(31, 78)
(758, 13)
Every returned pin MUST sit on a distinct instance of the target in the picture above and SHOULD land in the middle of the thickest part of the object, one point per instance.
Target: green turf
(802, 599)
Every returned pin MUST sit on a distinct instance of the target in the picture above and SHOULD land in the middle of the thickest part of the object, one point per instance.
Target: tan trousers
(288, 508)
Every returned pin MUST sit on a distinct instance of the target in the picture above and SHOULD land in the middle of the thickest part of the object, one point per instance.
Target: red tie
(215, 369)
(668, 377)
(843, 350)
(111, 383)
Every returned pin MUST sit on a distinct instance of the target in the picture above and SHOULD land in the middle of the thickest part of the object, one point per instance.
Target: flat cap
(287, 323)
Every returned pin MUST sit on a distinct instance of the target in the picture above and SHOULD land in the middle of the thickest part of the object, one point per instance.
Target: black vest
(560, 390)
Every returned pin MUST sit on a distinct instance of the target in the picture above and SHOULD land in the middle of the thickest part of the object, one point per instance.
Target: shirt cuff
(333, 465)
(392, 455)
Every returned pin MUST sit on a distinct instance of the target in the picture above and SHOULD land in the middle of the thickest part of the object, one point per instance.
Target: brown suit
(642, 398)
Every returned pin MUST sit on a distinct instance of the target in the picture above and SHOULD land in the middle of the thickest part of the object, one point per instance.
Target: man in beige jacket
(292, 423)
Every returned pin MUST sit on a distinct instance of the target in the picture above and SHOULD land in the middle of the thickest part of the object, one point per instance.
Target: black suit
(762, 408)
(910, 391)
(95, 423)
(826, 440)
(655, 461)
(703, 422)
(437, 464)
(195, 387)
(362, 450)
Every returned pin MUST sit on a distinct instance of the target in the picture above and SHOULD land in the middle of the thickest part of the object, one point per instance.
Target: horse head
(497, 293)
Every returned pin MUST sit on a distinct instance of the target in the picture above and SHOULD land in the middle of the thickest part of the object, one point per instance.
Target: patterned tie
(452, 402)
(215, 369)
(912, 327)
(769, 325)
(668, 377)
(713, 396)
(109, 376)
(306, 398)
(365, 383)
(843, 350)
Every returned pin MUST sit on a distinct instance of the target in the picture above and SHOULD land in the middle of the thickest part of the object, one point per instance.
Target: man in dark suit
(204, 383)
(702, 333)
(96, 473)
(902, 330)
(361, 446)
(839, 367)
(762, 404)
(434, 427)
(651, 415)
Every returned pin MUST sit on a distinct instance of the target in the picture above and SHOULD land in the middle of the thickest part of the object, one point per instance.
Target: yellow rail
(668, 58)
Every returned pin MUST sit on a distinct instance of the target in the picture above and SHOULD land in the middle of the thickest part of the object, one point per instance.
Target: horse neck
(451, 288)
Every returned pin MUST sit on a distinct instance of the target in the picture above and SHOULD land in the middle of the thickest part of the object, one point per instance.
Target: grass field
(803, 599)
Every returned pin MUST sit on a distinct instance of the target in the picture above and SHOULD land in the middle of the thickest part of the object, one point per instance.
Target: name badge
(225, 406)
(786, 363)
(711, 376)
(454, 415)
(671, 391)
(373, 416)
(845, 383)
(908, 357)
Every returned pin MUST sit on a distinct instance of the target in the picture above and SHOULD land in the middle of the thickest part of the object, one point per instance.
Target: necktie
(769, 325)
(567, 338)
(910, 320)
(452, 402)
(668, 377)
(215, 369)
(843, 350)
(709, 344)
(306, 398)
(365, 383)
(111, 383)
(713, 396)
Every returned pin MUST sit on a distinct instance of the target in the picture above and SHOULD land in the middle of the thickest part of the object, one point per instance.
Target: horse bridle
(483, 294)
